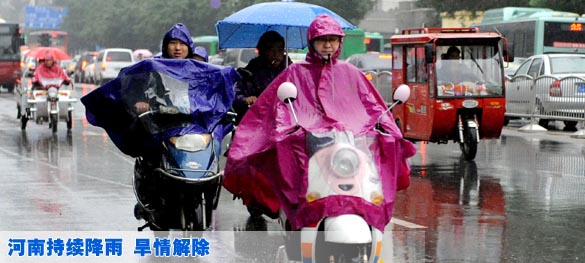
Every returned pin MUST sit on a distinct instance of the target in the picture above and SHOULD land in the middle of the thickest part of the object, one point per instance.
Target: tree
(142, 24)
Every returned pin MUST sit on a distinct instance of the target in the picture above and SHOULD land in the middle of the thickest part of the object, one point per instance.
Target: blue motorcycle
(180, 189)
(171, 115)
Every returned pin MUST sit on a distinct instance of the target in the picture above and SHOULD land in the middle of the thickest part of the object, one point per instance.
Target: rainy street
(521, 200)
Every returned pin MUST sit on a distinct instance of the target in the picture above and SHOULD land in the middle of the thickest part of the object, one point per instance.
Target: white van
(109, 63)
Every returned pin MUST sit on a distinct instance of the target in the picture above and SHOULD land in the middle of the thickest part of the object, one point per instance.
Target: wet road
(521, 200)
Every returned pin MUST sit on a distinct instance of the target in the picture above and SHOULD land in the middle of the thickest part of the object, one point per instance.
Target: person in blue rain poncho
(201, 92)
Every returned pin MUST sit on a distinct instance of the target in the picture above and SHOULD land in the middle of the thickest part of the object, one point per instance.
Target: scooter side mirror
(287, 92)
(402, 93)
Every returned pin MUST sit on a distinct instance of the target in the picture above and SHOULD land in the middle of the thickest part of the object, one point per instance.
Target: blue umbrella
(291, 19)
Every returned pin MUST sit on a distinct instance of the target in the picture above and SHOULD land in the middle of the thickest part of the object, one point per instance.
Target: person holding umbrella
(48, 69)
(260, 71)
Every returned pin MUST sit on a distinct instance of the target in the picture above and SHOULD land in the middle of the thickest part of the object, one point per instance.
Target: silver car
(555, 83)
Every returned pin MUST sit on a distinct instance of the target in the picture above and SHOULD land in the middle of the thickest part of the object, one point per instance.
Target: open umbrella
(291, 19)
(41, 52)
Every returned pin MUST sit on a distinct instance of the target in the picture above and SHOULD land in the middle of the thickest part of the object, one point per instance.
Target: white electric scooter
(339, 164)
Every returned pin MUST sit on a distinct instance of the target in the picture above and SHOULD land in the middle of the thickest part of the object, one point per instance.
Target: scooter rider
(48, 69)
(177, 44)
(331, 94)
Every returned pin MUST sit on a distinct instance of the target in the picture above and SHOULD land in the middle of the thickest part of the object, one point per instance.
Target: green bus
(353, 43)
(535, 31)
(210, 43)
(374, 42)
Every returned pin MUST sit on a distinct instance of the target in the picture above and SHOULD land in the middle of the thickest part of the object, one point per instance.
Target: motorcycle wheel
(469, 145)
(23, 121)
(54, 119)
(69, 120)
(196, 223)
(345, 253)
(254, 212)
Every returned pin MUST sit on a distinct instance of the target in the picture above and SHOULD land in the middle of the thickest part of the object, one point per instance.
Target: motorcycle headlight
(53, 92)
(345, 162)
(191, 142)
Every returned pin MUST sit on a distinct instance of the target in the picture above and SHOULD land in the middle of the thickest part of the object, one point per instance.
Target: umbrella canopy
(144, 52)
(41, 52)
(291, 19)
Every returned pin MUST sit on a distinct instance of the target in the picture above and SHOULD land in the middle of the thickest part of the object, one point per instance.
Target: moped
(342, 168)
(51, 103)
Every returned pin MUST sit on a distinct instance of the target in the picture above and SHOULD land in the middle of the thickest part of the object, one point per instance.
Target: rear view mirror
(402, 93)
(287, 92)
(429, 53)
(509, 52)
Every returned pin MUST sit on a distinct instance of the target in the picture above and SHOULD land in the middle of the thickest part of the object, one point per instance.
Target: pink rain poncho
(52, 72)
(267, 160)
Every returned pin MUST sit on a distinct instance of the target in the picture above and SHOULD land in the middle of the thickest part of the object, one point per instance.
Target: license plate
(581, 87)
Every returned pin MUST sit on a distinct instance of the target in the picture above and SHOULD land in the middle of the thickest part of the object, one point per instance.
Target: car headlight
(53, 92)
(345, 162)
(191, 142)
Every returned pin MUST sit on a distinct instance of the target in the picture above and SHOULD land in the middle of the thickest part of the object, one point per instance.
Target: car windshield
(119, 56)
(477, 69)
(564, 65)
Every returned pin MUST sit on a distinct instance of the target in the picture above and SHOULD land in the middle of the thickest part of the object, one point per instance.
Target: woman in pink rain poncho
(270, 173)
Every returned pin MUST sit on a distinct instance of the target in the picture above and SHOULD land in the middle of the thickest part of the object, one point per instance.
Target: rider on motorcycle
(332, 94)
(50, 70)
(200, 94)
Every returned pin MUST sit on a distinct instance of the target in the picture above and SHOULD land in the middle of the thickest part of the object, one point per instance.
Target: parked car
(511, 67)
(377, 67)
(85, 59)
(562, 95)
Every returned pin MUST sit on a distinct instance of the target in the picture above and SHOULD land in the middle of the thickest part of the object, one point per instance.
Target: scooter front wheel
(469, 145)
(54, 120)
(254, 212)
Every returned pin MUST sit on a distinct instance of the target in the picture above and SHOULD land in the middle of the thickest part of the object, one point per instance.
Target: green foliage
(142, 24)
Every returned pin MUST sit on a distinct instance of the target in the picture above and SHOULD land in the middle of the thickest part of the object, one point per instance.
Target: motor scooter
(181, 189)
(342, 168)
(53, 102)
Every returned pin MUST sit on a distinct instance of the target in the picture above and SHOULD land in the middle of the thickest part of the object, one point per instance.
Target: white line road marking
(407, 224)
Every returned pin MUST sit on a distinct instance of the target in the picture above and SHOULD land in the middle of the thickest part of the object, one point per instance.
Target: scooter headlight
(191, 142)
(345, 162)
(53, 92)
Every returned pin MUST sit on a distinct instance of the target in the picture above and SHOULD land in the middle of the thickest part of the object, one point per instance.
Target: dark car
(377, 67)
(85, 59)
